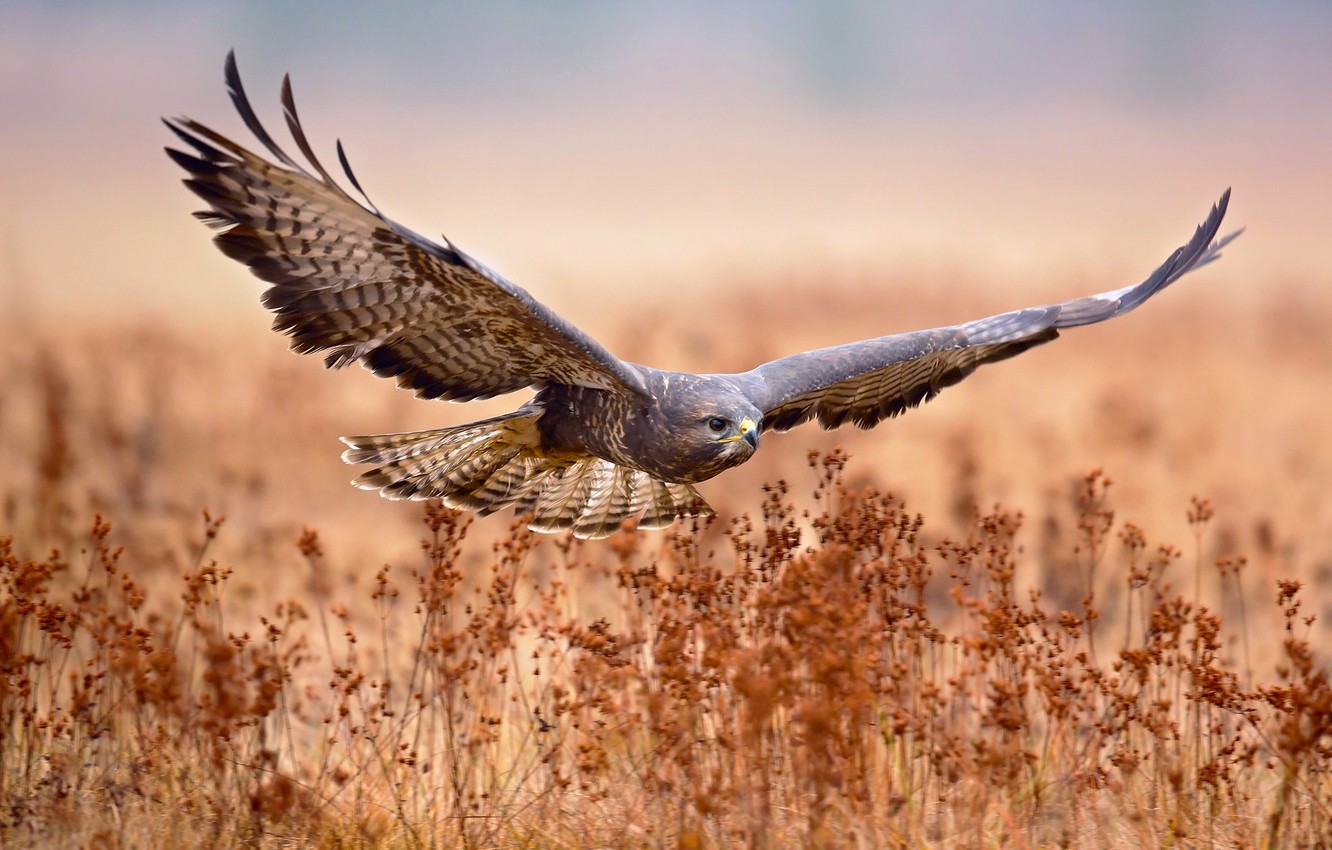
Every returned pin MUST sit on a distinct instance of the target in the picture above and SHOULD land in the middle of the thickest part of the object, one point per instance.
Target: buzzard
(601, 440)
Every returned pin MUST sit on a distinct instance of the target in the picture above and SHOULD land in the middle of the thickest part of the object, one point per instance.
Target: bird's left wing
(349, 281)
(866, 382)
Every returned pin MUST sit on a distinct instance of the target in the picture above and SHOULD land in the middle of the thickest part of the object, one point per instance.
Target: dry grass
(820, 667)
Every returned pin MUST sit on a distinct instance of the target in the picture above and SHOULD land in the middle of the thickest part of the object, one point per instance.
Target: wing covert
(866, 382)
(348, 281)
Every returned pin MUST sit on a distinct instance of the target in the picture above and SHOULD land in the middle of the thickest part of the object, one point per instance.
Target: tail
(498, 463)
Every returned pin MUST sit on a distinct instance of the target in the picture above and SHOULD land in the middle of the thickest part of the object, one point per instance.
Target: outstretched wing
(348, 281)
(866, 382)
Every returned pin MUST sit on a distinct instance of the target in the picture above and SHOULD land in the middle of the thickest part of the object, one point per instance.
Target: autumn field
(1079, 600)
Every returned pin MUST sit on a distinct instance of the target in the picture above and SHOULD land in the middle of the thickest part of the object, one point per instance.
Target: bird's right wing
(349, 281)
(866, 382)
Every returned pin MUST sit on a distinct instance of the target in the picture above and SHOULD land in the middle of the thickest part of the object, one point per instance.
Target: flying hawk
(602, 440)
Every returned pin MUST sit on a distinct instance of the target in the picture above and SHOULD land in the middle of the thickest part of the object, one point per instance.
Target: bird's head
(710, 426)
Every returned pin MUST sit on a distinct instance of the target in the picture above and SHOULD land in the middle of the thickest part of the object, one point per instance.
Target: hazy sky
(584, 144)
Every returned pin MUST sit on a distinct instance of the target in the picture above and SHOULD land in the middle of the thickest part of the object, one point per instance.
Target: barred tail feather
(497, 463)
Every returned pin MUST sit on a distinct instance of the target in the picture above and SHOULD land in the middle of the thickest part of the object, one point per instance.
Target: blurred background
(701, 186)
(584, 146)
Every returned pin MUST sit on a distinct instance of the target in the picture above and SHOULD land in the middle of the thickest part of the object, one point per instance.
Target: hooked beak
(749, 430)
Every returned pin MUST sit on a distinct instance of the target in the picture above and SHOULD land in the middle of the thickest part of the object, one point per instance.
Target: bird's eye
(717, 424)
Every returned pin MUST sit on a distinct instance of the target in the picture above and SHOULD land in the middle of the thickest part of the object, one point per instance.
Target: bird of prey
(601, 440)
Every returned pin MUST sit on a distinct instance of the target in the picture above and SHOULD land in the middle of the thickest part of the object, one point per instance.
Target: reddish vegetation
(822, 668)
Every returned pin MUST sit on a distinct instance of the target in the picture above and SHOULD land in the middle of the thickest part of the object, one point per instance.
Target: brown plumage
(602, 440)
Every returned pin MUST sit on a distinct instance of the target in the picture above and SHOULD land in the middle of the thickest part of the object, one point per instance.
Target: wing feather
(866, 382)
(350, 282)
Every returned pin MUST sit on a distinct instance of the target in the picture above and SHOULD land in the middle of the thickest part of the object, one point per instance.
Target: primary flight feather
(602, 440)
